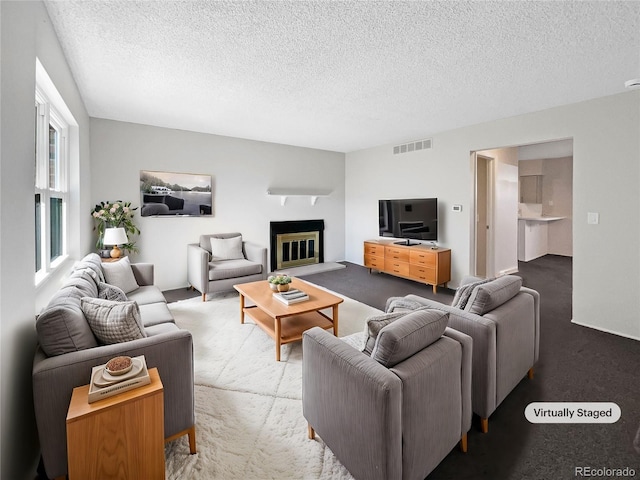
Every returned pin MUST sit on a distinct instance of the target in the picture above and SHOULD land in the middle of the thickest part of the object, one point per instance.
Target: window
(51, 186)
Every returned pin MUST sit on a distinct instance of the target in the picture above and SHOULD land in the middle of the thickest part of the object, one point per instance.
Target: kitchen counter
(541, 219)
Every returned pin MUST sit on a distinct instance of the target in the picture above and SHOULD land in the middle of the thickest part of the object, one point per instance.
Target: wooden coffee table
(285, 323)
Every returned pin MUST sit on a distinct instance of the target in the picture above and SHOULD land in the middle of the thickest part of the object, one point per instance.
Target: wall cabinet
(417, 262)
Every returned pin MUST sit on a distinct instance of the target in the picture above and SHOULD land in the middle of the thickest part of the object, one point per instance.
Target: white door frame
(490, 255)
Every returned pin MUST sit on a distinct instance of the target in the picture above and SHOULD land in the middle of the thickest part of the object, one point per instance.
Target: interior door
(482, 215)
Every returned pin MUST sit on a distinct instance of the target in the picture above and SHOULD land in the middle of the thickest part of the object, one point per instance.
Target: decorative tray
(104, 385)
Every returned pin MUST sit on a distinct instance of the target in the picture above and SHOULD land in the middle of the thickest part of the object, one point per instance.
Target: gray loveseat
(503, 318)
(67, 350)
(208, 274)
(397, 413)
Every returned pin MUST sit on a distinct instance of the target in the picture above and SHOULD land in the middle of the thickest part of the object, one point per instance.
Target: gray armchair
(209, 275)
(503, 318)
(385, 416)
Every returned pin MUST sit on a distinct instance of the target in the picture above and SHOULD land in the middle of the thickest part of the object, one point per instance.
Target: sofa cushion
(372, 328)
(154, 314)
(62, 327)
(120, 274)
(111, 292)
(83, 281)
(92, 262)
(113, 322)
(147, 294)
(408, 335)
(226, 248)
(463, 293)
(233, 268)
(161, 328)
(491, 295)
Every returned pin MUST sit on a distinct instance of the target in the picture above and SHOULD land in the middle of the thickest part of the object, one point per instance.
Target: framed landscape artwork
(175, 194)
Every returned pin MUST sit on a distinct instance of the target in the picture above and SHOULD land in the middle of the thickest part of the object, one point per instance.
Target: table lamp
(115, 237)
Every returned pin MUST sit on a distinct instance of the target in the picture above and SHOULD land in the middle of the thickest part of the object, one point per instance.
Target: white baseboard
(605, 330)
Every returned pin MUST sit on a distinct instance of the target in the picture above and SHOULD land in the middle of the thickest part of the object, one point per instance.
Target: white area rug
(249, 422)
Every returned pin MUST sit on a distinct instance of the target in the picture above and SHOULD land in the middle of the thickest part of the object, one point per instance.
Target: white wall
(606, 175)
(242, 171)
(27, 33)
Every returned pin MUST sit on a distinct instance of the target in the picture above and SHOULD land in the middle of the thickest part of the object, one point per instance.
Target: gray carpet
(576, 364)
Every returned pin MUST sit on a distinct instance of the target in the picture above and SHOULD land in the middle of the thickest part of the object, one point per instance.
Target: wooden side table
(118, 437)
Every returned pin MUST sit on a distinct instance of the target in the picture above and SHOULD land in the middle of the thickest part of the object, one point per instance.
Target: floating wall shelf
(313, 194)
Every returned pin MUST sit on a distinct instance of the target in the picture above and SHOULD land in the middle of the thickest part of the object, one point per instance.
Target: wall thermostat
(457, 208)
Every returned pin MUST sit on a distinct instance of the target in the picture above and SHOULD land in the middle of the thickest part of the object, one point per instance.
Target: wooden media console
(421, 263)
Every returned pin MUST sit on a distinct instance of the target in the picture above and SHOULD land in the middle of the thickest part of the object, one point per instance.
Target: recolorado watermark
(604, 472)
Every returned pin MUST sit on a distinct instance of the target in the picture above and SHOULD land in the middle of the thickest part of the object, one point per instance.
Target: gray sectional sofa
(67, 350)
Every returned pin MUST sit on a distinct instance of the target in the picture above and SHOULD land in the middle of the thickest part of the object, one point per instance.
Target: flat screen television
(409, 219)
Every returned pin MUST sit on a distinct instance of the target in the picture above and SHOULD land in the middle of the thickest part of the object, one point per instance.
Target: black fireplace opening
(296, 250)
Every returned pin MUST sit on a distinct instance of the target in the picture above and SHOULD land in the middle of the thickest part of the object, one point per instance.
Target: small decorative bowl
(119, 365)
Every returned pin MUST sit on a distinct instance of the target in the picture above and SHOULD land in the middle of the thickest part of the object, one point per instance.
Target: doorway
(500, 208)
(484, 209)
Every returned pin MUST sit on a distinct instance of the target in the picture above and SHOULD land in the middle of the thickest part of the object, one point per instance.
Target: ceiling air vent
(412, 146)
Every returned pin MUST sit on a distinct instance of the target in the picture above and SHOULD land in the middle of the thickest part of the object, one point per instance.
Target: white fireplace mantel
(284, 193)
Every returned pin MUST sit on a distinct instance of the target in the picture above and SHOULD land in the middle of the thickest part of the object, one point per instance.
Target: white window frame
(47, 115)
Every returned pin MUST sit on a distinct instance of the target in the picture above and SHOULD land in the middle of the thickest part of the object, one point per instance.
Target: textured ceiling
(342, 75)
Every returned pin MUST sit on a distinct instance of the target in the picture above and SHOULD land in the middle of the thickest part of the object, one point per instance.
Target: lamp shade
(115, 236)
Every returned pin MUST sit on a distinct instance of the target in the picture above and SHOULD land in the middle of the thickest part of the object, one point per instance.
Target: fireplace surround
(296, 243)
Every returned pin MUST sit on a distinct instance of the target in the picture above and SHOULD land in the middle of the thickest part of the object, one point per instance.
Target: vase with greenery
(279, 283)
(113, 215)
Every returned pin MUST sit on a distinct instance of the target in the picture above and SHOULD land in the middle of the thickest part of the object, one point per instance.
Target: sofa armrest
(467, 354)
(483, 333)
(256, 253)
(354, 404)
(54, 379)
(198, 267)
(536, 307)
(143, 273)
(516, 342)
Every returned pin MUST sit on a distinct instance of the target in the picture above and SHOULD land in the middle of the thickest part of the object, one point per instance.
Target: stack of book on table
(105, 385)
(291, 296)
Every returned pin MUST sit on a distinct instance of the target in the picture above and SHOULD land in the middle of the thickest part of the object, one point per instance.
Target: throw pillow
(400, 304)
(121, 275)
(408, 335)
(463, 293)
(113, 322)
(226, 248)
(63, 328)
(491, 295)
(111, 292)
(372, 327)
